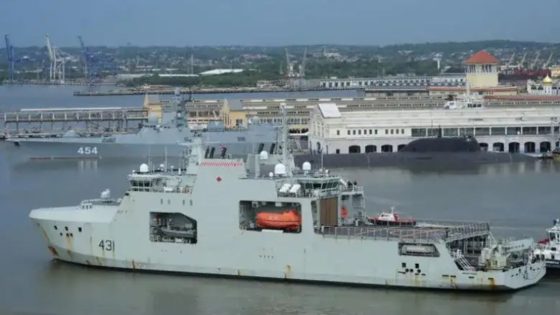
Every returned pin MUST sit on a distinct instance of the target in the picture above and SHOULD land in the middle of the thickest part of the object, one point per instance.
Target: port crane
(302, 65)
(510, 61)
(536, 60)
(289, 65)
(85, 56)
(547, 62)
(522, 62)
(11, 58)
(57, 67)
(91, 67)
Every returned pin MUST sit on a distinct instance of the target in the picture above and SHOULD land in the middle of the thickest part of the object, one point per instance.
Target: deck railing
(424, 231)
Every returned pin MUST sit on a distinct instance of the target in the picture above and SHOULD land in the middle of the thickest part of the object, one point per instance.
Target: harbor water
(519, 199)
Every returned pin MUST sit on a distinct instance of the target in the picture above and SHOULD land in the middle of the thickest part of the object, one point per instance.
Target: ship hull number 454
(87, 150)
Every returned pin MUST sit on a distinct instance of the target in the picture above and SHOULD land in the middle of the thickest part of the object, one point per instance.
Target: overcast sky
(276, 22)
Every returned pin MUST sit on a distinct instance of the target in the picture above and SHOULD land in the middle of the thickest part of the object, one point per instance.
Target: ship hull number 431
(107, 245)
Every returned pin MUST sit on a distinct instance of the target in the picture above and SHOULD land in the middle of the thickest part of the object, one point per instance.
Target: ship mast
(285, 158)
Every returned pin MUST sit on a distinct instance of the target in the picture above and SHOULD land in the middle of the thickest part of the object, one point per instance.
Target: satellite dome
(144, 168)
(106, 194)
(263, 155)
(306, 166)
(280, 169)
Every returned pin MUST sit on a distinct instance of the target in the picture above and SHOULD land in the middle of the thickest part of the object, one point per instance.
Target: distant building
(154, 106)
(482, 70)
(394, 86)
(497, 128)
(546, 87)
(481, 77)
(221, 71)
(555, 71)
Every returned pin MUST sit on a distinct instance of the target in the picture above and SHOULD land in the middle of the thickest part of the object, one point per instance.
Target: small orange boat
(289, 220)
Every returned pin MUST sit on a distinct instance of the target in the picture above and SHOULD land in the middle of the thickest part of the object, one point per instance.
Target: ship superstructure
(549, 248)
(265, 218)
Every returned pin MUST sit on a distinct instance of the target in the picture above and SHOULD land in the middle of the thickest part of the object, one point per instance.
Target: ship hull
(480, 281)
(274, 255)
(214, 202)
(24, 150)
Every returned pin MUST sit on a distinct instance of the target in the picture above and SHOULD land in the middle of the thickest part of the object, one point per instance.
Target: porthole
(56, 227)
(79, 229)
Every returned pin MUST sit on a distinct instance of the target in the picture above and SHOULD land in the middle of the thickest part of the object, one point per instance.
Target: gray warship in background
(231, 217)
(154, 139)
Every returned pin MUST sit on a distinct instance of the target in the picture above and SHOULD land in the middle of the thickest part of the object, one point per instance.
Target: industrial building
(526, 129)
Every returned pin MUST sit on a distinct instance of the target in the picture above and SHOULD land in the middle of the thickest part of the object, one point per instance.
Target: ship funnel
(144, 168)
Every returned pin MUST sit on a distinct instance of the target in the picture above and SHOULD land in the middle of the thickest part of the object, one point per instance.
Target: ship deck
(423, 231)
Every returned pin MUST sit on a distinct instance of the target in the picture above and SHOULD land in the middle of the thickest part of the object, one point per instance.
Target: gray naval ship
(154, 139)
(264, 218)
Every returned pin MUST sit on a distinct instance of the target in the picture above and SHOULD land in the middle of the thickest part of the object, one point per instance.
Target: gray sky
(276, 22)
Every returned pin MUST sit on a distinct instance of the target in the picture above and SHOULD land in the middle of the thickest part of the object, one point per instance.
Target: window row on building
(484, 131)
(365, 132)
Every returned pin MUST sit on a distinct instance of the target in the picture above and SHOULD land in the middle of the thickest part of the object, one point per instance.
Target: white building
(499, 129)
(546, 87)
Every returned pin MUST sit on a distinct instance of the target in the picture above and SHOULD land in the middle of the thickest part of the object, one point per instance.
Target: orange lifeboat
(287, 220)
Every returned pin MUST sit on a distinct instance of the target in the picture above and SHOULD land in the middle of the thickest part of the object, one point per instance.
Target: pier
(171, 90)
(53, 122)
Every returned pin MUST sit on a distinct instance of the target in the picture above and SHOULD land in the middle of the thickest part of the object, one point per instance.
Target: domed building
(546, 87)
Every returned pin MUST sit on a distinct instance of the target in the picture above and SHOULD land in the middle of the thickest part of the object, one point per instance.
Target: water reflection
(70, 289)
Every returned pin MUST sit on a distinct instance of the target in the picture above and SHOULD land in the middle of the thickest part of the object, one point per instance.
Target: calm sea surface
(518, 199)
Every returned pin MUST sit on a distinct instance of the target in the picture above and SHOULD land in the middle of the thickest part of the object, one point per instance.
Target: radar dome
(280, 169)
(306, 166)
(144, 168)
(263, 155)
(106, 194)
